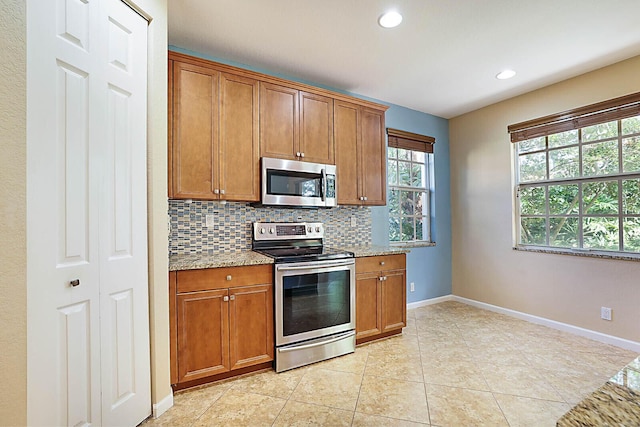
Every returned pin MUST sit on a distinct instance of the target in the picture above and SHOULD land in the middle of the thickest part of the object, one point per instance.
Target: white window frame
(580, 181)
(426, 188)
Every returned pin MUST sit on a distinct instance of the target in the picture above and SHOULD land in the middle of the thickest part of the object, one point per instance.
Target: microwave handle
(323, 185)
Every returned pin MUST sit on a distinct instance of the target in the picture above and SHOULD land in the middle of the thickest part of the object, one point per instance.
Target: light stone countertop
(374, 250)
(616, 403)
(202, 260)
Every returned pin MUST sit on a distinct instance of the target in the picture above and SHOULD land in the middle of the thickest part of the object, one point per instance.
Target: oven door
(314, 299)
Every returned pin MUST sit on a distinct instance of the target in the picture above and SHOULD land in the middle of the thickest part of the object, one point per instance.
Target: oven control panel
(287, 230)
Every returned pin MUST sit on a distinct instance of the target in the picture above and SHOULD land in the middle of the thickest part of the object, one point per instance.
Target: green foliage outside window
(581, 188)
(407, 195)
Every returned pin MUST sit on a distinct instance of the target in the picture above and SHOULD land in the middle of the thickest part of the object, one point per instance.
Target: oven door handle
(315, 267)
(317, 344)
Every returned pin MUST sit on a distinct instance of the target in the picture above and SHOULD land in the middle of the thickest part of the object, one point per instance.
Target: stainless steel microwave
(294, 183)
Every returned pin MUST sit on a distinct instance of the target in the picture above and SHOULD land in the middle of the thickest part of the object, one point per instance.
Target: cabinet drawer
(223, 277)
(380, 263)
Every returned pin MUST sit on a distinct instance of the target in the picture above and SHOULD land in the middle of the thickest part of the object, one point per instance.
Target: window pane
(418, 156)
(631, 196)
(392, 152)
(631, 154)
(601, 131)
(631, 125)
(421, 222)
(407, 229)
(601, 233)
(600, 158)
(394, 203)
(600, 197)
(632, 234)
(531, 145)
(532, 201)
(421, 207)
(533, 167)
(406, 203)
(404, 173)
(403, 154)
(564, 138)
(564, 163)
(563, 232)
(394, 229)
(533, 231)
(563, 199)
(392, 173)
(417, 173)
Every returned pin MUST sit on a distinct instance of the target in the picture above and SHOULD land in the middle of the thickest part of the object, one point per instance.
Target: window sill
(582, 253)
(412, 244)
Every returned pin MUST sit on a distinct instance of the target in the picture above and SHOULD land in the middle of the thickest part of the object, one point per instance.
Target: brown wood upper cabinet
(214, 142)
(360, 154)
(295, 124)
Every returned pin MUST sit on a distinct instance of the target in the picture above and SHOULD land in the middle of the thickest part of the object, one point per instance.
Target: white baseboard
(430, 301)
(587, 333)
(162, 406)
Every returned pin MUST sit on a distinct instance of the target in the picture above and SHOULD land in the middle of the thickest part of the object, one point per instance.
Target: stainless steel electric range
(315, 311)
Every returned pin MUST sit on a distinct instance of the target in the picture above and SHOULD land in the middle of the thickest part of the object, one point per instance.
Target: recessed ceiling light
(506, 74)
(390, 19)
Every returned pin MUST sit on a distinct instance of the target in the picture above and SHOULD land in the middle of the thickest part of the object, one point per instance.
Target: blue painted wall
(428, 267)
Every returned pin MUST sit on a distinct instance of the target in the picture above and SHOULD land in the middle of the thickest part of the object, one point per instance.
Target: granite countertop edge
(201, 260)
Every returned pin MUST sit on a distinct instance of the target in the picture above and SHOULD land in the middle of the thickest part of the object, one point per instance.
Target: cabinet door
(316, 128)
(394, 300)
(346, 149)
(373, 159)
(239, 143)
(251, 339)
(195, 138)
(367, 305)
(279, 121)
(203, 334)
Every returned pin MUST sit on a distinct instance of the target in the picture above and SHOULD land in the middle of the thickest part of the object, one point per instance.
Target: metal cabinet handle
(381, 262)
(221, 191)
(297, 154)
(232, 297)
(216, 191)
(229, 277)
(301, 154)
(225, 298)
(75, 283)
(365, 198)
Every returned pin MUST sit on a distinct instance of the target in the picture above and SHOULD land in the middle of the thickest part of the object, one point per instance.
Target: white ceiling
(441, 60)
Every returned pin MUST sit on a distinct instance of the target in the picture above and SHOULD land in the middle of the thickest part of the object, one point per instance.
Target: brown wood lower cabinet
(381, 296)
(224, 322)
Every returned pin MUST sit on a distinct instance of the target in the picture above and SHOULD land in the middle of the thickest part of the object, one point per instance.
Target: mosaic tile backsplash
(231, 231)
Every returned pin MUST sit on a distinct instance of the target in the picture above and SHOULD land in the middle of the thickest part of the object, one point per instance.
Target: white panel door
(75, 112)
(124, 310)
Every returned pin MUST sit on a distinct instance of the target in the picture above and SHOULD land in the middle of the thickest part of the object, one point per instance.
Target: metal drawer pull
(229, 277)
(75, 282)
(381, 262)
(317, 344)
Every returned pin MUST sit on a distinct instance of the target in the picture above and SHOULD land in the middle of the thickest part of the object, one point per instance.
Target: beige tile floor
(454, 365)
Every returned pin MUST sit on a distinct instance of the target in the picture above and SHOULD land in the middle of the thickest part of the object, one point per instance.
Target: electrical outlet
(353, 221)
(412, 287)
(605, 313)
(209, 220)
